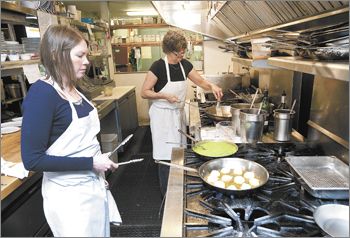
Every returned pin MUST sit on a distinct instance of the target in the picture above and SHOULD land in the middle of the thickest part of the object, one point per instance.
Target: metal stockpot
(252, 124)
(235, 110)
(283, 124)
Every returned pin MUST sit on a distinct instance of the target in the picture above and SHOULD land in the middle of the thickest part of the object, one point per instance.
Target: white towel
(13, 169)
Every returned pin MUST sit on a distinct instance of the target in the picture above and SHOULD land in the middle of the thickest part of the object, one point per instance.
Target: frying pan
(225, 114)
(333, 219)
(217, 164)
(203, 149)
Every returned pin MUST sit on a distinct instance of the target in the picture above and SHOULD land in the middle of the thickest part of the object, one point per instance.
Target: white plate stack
(12, 126)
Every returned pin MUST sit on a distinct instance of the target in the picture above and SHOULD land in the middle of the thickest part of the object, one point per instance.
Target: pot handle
(187, 135)
(176, 166)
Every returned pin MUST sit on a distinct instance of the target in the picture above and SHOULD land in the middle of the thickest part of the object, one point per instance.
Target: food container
(322, 176)
(26, 56)
(283, 124)
(13, 57)
(3, 57)
(235, 110)
(252, 125)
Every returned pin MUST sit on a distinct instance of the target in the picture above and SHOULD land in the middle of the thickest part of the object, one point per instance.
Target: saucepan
(333, 219)
(229, 175)
(210, 149)
(219, 113)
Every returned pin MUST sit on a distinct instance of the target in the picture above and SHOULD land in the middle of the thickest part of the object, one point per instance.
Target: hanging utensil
(218, 109)
(187, 135)
(259, 108)
(256, 93)
(291, 109)
(121, 144)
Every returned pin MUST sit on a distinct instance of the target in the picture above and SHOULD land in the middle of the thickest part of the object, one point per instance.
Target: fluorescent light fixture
(142, 13)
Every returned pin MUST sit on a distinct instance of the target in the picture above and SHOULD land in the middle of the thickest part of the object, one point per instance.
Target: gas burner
(279, 208)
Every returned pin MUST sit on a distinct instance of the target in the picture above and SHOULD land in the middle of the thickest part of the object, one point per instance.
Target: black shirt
(159, 70)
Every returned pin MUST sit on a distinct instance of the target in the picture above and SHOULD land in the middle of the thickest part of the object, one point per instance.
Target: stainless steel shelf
(327, 69)
(262, 64)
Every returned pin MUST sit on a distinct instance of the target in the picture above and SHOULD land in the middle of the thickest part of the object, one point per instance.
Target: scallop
(219, 184)
(246, 186)
(212, 179)
(254, 182)
(226, 178)
(239, 179)
(225, 170)
(215, 173)
(238, 171)
(232, 187)
(249, 175)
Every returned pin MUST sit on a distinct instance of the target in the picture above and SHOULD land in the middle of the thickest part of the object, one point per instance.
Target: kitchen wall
(215, 60)
(323, 101)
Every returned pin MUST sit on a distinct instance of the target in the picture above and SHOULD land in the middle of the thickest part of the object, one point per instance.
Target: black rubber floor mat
(137, 193)
(135, 231)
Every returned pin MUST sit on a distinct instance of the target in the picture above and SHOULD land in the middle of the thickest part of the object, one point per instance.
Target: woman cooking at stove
(59, 139)
(166, 85)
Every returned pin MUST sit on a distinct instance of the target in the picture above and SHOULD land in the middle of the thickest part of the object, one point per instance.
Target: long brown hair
(55, 48)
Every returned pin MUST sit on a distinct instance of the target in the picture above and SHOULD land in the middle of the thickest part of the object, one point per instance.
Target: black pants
(163, 175)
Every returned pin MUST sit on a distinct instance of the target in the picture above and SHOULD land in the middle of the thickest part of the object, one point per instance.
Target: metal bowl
(333, 219)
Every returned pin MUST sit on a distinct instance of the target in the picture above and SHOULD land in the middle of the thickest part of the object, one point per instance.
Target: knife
(122, 143)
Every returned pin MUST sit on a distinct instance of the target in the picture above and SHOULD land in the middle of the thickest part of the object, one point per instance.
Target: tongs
(130, 161)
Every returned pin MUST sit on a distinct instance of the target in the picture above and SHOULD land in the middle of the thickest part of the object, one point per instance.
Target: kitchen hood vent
(238, 18)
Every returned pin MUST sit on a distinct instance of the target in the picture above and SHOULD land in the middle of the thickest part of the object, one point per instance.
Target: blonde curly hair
(174, 40)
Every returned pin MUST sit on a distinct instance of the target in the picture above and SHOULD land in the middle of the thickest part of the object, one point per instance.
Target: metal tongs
(121, 144)
(130, 161)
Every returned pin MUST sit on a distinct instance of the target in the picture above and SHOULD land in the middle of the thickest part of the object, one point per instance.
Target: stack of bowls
(14, 49)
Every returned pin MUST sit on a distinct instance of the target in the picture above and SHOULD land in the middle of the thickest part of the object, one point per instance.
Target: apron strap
(168, 71)
(60, 91)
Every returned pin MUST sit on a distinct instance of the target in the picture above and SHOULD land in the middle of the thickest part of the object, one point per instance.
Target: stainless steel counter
(172, 225)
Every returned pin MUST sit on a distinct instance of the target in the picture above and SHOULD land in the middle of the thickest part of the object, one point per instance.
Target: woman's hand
(217, 91)
(172, 98)
(101, 163)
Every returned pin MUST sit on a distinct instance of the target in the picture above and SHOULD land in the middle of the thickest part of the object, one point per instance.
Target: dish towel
(13, 169)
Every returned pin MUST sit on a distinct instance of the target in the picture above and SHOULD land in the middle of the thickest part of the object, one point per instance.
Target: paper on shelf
(146, 52)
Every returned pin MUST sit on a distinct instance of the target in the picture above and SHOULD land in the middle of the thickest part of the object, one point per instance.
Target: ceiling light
(142, 13)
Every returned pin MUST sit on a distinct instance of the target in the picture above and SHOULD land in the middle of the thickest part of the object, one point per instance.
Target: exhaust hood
(235, 19)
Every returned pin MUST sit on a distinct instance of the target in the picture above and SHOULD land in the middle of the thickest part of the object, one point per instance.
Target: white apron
(77, 203)
(166, 118)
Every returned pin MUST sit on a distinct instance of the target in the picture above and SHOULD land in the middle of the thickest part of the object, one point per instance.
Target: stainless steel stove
(280, 208)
